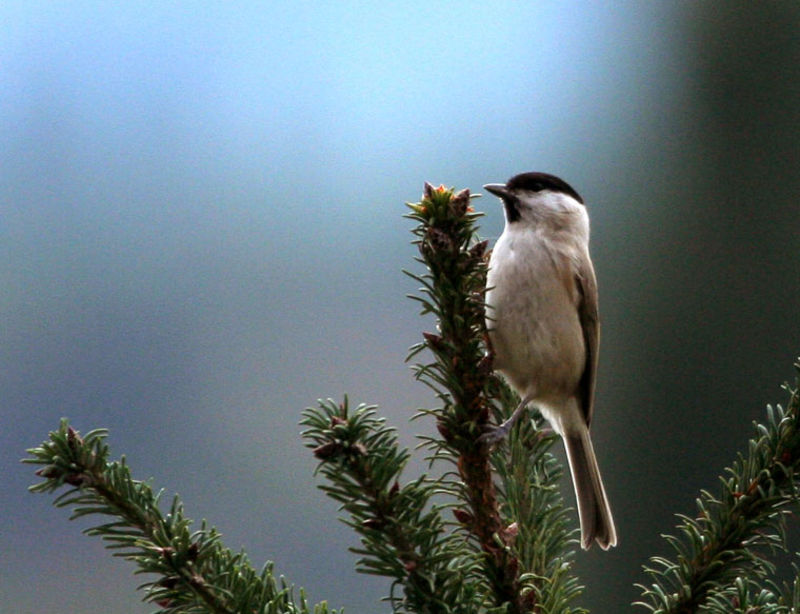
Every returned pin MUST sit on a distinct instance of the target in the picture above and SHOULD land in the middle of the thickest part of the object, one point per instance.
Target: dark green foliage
(545, 531)
(453, 287)
(195, 573)
(721, 556)
(402, 536)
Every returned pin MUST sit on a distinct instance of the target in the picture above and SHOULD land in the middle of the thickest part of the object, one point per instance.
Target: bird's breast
(532, 316)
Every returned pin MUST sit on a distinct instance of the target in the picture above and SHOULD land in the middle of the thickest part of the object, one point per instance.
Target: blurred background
(201, 233)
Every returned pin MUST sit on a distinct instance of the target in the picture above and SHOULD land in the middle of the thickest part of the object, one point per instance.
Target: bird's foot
(495, 434)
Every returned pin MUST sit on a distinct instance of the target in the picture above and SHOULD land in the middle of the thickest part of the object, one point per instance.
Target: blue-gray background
(201, 233)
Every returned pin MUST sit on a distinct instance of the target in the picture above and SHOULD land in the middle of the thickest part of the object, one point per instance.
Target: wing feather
(590, 322)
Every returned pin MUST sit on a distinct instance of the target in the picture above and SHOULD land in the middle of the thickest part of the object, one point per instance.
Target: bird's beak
(498, 189)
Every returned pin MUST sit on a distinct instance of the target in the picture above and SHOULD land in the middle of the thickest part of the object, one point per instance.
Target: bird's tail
(597, 524)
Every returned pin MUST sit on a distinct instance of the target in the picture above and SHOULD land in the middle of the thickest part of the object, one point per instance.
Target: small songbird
(541, 310)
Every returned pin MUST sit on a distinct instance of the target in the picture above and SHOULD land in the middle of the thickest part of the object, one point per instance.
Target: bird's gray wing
(590, 323)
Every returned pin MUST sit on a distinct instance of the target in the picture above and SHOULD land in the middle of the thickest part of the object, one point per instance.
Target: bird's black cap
(537, 182)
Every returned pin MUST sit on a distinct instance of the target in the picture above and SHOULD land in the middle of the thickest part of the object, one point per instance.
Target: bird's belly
(537, 336)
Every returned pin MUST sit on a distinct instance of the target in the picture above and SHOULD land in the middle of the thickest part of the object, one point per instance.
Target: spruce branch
(526, 574)
(401, 536)
(195, 573)
(734, 531)
(453, 290)
(544, 534)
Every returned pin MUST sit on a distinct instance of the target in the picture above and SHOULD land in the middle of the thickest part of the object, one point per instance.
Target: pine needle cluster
(721, 557)
(193, 572)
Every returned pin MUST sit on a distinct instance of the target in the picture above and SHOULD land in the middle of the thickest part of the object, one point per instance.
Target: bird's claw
(494, 435)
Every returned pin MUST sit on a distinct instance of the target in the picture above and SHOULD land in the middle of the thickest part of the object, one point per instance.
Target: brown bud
(166, 552)
(434, 341)
(77, 479)
(462, 516)
(460, 202)
(327, 450)
(336, 421)
(443, 431)
(169, 582)
(485, 365)
(439, 240)
(427, 191)
(73, 439)
(479, 249)
(410, 566)
(372, 523)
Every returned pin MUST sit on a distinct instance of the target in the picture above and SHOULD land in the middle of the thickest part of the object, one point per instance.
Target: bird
(544, 329)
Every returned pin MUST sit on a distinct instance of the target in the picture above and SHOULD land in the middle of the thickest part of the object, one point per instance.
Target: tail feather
(597, 524)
